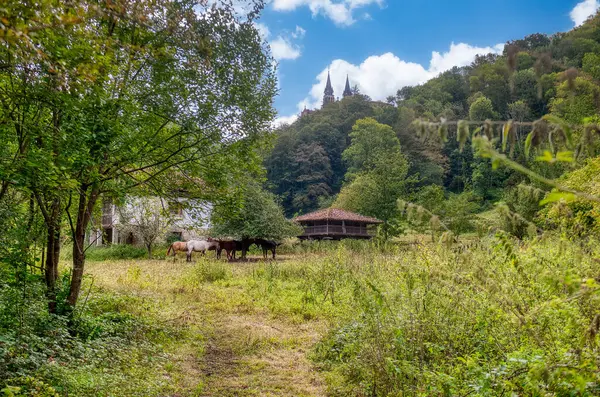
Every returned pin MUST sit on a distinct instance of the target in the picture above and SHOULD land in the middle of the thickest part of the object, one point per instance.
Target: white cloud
(460, 54)
(282, 48)
(298, 33)
(583, 10)
(380, 76)
(263, 30)
(340, 11)
(279, 121)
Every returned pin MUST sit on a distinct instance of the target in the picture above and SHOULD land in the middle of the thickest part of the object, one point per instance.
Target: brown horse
(267, 245)
(230, 247)
(177, 246)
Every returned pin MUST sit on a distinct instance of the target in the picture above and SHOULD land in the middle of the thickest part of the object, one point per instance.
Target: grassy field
(490, 317)
(236, 338)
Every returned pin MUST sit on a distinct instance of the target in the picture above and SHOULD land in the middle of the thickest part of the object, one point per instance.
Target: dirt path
(234, 347)
(251, 355)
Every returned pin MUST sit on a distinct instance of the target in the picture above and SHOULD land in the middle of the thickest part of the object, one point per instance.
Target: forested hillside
(535, 76)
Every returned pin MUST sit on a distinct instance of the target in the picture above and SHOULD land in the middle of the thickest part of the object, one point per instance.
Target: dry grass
(234, 345)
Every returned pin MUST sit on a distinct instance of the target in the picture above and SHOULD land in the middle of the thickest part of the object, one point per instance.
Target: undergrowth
(491, 317)
(494, 316)
(112, 345)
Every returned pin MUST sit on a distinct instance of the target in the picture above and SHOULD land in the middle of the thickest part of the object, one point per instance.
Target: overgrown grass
(490, 317)
(500, 317)
(115, 344)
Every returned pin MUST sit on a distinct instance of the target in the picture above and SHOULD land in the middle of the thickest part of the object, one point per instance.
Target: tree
(302, 179)
(519, 111)
(115, 100)
(576, 99)
(482, 109)
(591, 65)
(377, 172)
(251, 212)
(146, 218)
(525, 88)
(313, 175)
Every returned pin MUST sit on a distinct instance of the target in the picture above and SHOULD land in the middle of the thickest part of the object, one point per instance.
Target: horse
(201, 246)
(230, 246)
(177, 246)
(266, 245)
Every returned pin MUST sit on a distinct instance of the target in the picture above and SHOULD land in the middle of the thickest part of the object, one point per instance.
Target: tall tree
(250, 212)
(377, 172)
(124, 94)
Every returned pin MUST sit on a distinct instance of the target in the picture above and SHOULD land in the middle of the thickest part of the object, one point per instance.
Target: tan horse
(177, 246)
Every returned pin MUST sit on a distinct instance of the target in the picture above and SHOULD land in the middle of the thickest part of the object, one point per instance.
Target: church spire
(347, 90)
(328, 93)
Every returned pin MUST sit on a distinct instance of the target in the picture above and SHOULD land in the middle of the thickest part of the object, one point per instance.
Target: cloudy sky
(384, 45)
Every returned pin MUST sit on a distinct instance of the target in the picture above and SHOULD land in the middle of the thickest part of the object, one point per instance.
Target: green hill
(536, 75)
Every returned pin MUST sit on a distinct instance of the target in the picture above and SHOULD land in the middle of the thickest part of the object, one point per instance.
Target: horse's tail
(170, 248)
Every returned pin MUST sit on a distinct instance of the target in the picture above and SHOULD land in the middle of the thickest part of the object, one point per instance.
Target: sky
(384, 45)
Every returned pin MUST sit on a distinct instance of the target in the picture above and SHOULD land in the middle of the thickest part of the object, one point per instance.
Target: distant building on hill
(305, 112)
(328, 95)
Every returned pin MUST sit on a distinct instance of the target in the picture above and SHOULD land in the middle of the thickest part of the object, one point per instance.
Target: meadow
(487, 317)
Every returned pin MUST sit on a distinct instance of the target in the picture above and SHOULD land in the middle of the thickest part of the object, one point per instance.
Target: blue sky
(386, 44)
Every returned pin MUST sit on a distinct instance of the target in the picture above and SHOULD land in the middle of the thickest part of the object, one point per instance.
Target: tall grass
(491, 317)
(501, 317)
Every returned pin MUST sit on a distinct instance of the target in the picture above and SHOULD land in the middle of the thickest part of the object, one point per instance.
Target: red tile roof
(336, 214)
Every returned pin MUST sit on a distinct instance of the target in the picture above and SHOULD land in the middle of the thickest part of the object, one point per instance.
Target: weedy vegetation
(496, 315)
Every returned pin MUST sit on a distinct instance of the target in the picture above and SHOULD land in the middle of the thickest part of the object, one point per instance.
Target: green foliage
(519, 111)
(574, 104)
(305, 166)
(206, 271)
(377, 172)
(482, 109)
(111, 347)
(456, 212)
(115, 252)
(255, 215)
(118, 101)
(591, 65)
(577, 217)
(493, 318)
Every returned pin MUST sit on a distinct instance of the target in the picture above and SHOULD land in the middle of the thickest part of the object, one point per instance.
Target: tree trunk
(84, 212)
(52, 253)
(149, 248)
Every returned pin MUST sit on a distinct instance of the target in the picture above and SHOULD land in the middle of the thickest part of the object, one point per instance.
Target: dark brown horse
(266, 245)
(230, 247)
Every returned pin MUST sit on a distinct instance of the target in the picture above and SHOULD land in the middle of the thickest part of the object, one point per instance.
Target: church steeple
(328, 93)
(347, 90)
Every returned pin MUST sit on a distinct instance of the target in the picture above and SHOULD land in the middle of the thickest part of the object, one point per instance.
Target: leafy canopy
(377, 172)
(251, 212)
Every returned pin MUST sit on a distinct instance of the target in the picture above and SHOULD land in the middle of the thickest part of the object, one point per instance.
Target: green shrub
(28, 386)
(116, 251)
(207, 271)
(43, 355)
(498, 317)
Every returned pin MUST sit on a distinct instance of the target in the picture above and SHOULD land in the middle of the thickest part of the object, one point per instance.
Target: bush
(207, 271)
(496, 318)
(116, 251)
(43, 355)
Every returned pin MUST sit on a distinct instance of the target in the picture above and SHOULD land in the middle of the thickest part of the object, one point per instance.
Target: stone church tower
(347, 90)
(328, 94)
